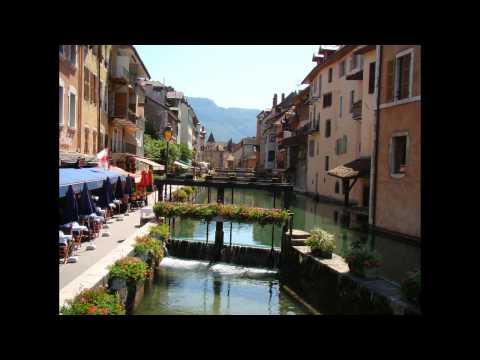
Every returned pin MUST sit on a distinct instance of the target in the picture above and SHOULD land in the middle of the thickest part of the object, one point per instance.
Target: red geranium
(92, 309)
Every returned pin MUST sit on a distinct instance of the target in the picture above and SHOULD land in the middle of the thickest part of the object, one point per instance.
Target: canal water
(191, 287)
(398, 257)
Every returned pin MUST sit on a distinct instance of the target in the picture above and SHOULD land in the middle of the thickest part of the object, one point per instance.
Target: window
(403, 72)
(100, 101)
(330, 75)
(327, 100)
(327, 128)
(341, 69)
(94, 142)
(105, 98)
(352, 99)
(353, 62)
(271, 155)
(315, 86)
(86, 84)
(340, 105)
(327, 163)
(341, 145)
(60, 103)
(371, 78)
(398, 154)
(272, 137)
(61, 49)
(318, 148)
(73, 54)
(390, 76)
(337, 187)
(311, 148)
(93, 88)
(72, 108)
(87, 133)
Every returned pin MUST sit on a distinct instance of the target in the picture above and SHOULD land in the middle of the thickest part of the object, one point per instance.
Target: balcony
(120, 75)
(357, 110)
(130, 148)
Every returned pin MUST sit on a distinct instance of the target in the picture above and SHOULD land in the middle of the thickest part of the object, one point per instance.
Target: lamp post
(167, 135)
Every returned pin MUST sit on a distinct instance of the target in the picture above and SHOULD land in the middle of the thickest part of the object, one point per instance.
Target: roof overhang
(329, 61)
(356, 168)
(364, 49)
(156, 166)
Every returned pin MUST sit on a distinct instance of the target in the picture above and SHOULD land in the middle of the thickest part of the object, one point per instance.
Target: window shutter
(86, 85)
(405, 76)
(320, 85)
(390, 81)
(120, 104)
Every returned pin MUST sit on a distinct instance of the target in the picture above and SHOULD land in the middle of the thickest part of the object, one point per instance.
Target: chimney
(283, 97)
(274, 100)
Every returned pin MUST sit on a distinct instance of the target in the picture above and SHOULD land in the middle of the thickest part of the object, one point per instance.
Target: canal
(398, 257)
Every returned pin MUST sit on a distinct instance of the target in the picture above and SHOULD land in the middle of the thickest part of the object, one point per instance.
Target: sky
(243, 76)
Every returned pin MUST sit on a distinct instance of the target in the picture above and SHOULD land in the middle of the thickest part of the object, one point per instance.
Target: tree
(185, 153)
(157, 150)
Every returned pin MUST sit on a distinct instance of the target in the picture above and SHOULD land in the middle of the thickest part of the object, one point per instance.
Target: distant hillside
(226, 123)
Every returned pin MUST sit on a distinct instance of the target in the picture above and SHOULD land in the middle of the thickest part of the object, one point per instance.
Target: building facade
(341, 118)
(397, 164)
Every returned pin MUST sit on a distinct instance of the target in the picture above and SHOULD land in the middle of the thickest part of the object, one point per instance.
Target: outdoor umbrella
(128, 185)
(70, 212)
(119, 189)
(85, 206)
(106, 196)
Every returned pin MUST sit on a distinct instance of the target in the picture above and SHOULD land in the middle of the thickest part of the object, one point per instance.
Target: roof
(175, 95)
(356, 168)
(211, 138)
(141, 61)
(331, 59)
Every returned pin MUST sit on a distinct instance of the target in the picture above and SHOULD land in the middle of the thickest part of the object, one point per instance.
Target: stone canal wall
(327, 285)
(237, 255)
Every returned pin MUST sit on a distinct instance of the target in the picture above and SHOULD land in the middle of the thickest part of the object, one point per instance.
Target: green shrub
(412, 286)
(188, 190)
(147, 245)
(129, 268)
(160, 232)
(321, 240)
(360, 257)
(179, 195)
(96, 301)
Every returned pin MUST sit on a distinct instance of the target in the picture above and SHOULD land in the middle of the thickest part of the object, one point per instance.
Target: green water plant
(179, 195)
(411, 286)
(321, 242)
(188, 190)
(97, 301)
(129, 268)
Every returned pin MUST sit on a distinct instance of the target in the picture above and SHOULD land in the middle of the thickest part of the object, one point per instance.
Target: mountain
(225, 123)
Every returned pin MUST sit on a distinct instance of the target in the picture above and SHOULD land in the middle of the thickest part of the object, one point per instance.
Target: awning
(93, 177)
(182, 165)
(356, 168)
(125, 173)
(156, 166)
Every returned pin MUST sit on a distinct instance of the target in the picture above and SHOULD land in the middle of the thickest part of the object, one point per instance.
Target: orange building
(396, 169)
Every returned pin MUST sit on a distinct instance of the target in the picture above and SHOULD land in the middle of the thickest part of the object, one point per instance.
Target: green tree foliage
(185, 153)
(157, 150)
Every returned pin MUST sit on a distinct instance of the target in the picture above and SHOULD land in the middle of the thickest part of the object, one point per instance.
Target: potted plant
(130, 268)
(160, 232)
(362, 261)
(411, 287)
(321, 243)
(96, 301)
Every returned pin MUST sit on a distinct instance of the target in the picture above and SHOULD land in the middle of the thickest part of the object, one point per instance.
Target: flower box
(322, 254)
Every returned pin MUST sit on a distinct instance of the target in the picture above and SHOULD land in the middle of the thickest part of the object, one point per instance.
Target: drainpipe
(99, 97)
(376, 125)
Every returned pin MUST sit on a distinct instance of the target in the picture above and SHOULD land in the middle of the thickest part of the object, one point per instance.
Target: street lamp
(167, 135)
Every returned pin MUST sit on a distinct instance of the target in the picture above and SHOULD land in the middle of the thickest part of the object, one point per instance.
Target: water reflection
(397, 257)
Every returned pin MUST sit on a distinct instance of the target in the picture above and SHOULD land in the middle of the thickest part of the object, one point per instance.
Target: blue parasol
(106, 196)
(85, 205)
(70, 213)
(119, 189)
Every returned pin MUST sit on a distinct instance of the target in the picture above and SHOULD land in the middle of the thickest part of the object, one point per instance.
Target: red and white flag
(102, 158)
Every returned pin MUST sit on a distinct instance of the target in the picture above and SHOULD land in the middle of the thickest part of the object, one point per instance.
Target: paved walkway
(119, 232)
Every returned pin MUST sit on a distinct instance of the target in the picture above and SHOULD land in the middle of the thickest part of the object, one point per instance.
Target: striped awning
(156, 166)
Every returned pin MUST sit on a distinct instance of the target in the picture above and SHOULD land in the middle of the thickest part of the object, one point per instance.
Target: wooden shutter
(404, 76)
(371, 78)
(120, 104)
(390, 85)
(86, 84)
